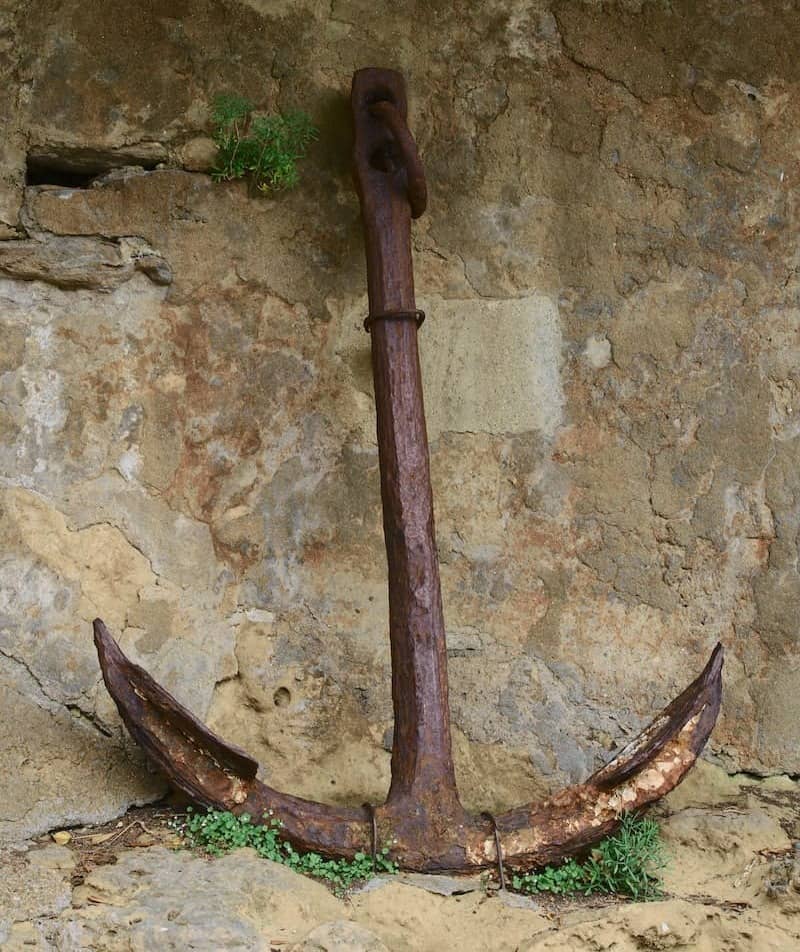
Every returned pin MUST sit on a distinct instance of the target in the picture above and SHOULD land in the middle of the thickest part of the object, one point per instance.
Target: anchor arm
(220, 775)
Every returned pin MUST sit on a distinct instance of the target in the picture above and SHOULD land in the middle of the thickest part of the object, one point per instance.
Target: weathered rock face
(611, 362)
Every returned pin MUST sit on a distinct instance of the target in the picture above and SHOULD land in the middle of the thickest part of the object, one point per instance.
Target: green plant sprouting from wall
(265, 148)
(629, 863)
(217, 832)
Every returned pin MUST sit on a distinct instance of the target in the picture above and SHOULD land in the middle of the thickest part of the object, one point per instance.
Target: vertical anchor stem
(422, 760)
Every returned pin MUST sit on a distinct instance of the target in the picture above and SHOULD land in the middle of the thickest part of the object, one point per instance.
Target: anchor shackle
(386, 163)
(406, 146)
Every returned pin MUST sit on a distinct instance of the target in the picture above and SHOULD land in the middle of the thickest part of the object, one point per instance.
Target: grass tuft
(217, 832)
(629, 863)
(264, 148)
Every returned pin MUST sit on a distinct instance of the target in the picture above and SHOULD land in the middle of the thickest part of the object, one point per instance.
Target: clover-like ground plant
(217, 832)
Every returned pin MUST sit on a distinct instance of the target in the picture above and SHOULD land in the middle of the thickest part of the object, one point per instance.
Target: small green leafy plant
(629, 863)
(266, 148)
(217, 832)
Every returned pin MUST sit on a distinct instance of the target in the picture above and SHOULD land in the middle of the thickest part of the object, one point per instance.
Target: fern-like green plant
(629, 863)
(265, 148)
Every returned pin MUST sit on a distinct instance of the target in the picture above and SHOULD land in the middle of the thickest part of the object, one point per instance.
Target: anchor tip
(713, 668)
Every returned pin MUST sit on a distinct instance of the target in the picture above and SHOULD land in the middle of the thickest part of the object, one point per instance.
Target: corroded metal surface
(424, 837)
(423, 817)
(422, 762)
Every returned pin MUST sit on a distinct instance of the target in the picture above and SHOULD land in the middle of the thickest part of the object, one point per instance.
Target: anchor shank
(422, 762)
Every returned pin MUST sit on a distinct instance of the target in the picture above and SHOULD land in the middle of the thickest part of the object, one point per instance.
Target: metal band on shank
(417, 315)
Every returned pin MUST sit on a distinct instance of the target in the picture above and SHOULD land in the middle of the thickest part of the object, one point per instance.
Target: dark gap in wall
(44, 172)
(80, 167)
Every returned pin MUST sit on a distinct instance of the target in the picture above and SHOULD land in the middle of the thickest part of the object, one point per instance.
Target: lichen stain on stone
(104, 567)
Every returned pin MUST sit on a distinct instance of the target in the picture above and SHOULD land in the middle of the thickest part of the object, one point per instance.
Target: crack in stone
(75, 709)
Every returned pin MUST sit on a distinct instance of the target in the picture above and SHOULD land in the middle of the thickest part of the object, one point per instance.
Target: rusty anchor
(422, 818)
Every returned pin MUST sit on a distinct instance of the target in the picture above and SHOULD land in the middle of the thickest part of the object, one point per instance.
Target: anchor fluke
(201, 764)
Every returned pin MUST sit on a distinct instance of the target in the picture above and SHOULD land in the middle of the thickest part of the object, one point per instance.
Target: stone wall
(612, 366)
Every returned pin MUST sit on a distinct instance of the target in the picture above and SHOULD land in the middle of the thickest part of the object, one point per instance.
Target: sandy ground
(733, 883)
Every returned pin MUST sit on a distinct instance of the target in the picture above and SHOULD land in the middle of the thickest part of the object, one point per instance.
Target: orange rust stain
(314, 554)
(762, 550)
(576, 443)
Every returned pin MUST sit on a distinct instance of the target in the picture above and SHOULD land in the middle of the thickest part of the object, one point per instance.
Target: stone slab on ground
(158, 898)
